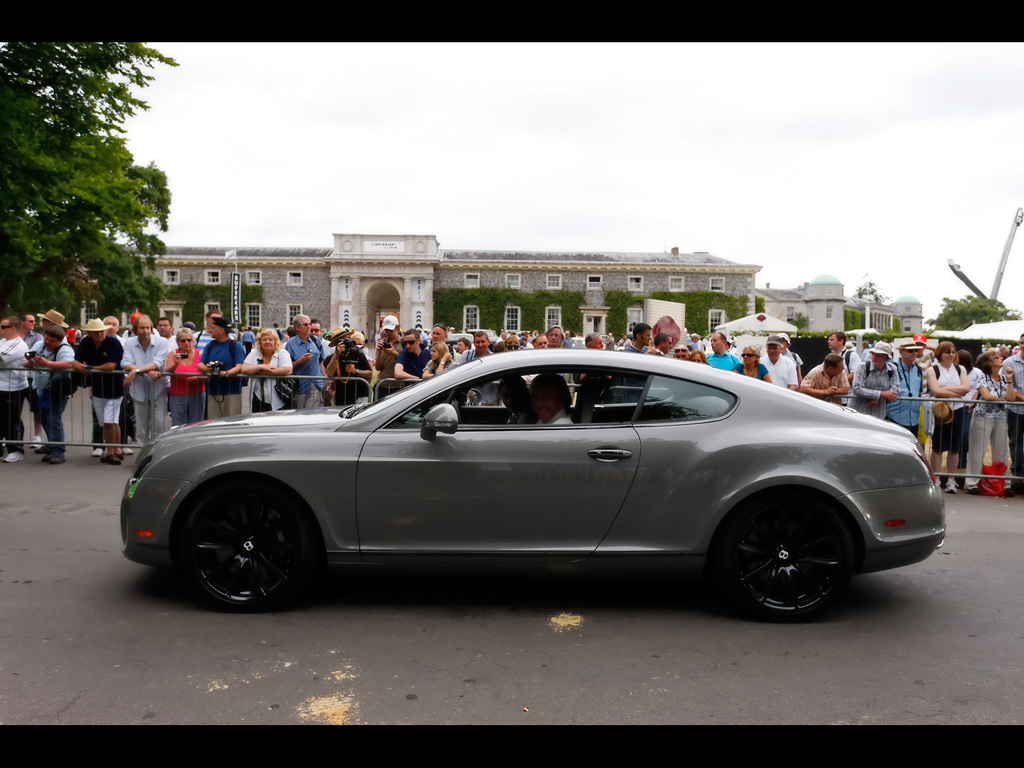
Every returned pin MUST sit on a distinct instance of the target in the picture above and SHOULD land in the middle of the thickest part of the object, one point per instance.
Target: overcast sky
(869, 162)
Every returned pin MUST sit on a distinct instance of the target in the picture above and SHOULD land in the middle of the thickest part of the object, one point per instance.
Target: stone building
(822, 301)
(364, 277)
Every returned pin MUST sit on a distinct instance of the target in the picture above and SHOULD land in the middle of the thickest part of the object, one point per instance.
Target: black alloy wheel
(787, 557)
(249, 547)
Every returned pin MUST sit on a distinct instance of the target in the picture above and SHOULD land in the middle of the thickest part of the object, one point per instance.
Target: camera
(30, 354)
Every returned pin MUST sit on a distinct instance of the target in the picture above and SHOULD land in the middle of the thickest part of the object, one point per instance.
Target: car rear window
(680, 400)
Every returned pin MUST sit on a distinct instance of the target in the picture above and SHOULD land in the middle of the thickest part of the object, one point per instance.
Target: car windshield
(406, 393)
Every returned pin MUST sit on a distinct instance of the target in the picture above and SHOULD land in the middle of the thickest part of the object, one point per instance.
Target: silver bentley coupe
(546, 461)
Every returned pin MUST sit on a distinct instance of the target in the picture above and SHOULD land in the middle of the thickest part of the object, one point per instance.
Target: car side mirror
(441, 418)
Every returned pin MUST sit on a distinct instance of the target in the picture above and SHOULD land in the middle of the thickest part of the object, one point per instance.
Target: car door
(494, 491)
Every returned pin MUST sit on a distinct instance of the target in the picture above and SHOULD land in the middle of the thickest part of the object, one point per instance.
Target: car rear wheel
(249, 546)
(784, 557)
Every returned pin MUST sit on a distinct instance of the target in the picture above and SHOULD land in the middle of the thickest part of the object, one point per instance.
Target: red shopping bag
(993, 487)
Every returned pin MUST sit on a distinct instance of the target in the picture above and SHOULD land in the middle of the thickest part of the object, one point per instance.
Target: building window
(293, 310)
(554, 284)
(830, 291)
(828, 312)
(553, 316)
(512, 280)
(716, 284)
(715, 318)
(253, 316)
(213, 277)
(472, 280)
(593, 282)
(213, 307)
(906, 326)
(295, 279)
(675, 284)
(470, 316)
(171, 277)
(633, 316)
(90, 311)
(790, 313)
(511, 318)
(635, 283)
(254, 277)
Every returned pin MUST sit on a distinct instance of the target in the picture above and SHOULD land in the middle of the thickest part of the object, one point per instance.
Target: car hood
(318, 419)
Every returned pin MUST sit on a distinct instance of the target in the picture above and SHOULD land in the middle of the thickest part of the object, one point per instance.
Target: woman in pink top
(187, 395)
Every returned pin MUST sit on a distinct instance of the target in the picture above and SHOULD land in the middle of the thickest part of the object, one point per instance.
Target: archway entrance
(382, 298)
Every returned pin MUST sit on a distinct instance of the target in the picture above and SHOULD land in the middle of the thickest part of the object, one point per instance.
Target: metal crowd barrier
(387, 387)
(81, 430)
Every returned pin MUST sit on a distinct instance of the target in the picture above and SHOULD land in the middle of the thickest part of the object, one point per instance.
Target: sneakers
(14, 456)
(56, 460)
(975, 491)
(97, 453)
(951, 486)
(127, 451)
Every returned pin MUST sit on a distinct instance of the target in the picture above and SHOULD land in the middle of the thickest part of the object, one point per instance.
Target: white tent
(1004, 329)
(758, 324)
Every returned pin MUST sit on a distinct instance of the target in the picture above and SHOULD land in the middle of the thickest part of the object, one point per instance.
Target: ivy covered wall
(449, 302)
(195, 297)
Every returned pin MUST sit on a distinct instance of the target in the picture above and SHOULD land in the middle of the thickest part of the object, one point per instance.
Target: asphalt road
(88, 637)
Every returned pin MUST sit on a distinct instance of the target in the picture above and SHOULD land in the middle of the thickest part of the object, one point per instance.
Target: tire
(784, 557)
(249, 547)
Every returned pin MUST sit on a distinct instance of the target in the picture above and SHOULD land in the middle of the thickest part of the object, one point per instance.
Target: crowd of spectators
(151, 373)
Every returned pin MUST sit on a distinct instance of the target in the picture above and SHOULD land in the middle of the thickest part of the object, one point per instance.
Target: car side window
(679, 400)
(595, 397)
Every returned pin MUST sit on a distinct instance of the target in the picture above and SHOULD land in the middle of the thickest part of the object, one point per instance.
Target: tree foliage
(958, 314)
(871, 292)
(74, 209)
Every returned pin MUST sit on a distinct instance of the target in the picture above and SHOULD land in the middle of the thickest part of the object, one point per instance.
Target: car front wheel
(248, 546)
(784, 557)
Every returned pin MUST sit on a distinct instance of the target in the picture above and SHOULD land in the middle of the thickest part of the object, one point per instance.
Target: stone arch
(380, 296)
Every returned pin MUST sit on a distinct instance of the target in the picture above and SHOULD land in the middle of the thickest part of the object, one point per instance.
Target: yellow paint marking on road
(333, 710)
(565, 621)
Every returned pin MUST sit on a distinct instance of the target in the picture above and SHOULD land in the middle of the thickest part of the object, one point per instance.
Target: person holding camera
(348, 361)
(222, 359)
(186, 397)
(387, 354)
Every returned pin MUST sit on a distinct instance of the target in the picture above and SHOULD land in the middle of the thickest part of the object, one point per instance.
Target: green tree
(74, 209)
(870, 291)
(958, 314)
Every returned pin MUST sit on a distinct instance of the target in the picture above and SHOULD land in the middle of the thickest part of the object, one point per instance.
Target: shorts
(948, 437)
(107, 411)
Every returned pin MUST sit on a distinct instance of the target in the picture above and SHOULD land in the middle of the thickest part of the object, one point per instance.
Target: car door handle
(609, 454)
